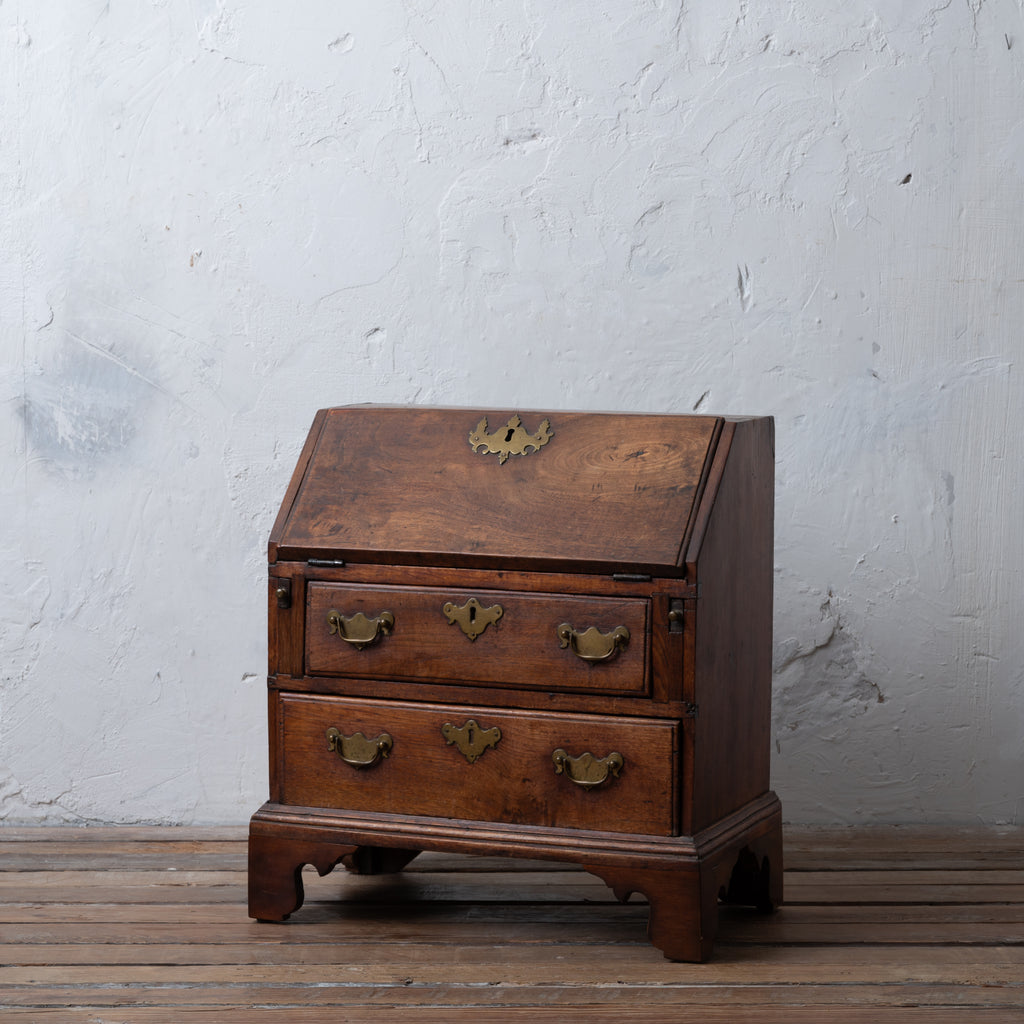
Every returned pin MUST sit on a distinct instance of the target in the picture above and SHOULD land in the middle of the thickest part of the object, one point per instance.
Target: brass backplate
(471, 739)
(511, 439)
(473, 618)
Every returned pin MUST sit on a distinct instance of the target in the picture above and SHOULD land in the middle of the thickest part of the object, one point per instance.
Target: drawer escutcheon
(511, 439)
(470, 739)
(356, 750)
(473, 618)
(586, 770)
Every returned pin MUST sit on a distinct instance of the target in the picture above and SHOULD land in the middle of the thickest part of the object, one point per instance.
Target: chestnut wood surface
(732, 558)
(405, 486)
(515, 781)
(654, 529)
(148, 925)
(567, 686)
(737, 860)
(521, 647)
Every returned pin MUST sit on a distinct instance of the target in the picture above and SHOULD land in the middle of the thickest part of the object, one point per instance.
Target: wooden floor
(149, 925)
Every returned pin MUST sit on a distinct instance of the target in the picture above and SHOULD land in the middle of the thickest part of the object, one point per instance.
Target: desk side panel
(733, 627)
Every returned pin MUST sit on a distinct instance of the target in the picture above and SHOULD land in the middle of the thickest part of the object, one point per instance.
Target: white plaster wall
(218, 216)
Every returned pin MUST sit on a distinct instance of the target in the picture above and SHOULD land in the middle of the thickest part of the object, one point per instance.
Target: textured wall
(218, 216)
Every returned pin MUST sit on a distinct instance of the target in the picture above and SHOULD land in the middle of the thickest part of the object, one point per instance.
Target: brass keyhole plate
(511, 439)
(473, 618)
(471, 739)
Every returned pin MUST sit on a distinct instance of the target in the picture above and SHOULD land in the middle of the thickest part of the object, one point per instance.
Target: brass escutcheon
(511, 439)
(358, 630)
(473, 618)
(471, 739)
(356, 750)
(586, 770)
(592, 644)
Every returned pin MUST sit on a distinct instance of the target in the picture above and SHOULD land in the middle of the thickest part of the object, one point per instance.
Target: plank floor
(148, 926)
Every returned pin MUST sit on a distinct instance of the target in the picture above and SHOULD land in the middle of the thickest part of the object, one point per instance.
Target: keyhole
(508, 436)
(469, 735)
(472, 614)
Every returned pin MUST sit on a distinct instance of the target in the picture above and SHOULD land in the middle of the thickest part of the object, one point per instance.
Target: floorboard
(147, 925)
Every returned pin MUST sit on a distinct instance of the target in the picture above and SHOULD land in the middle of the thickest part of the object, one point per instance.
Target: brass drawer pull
(358, 630)
(471, 739)
(586, 770)
(357, 750)
(593, 645)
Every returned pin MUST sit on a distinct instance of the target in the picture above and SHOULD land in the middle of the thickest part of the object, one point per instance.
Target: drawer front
(577, 771)
(535, 641)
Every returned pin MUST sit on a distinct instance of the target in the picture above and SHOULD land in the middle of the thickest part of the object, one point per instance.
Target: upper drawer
(537, 641)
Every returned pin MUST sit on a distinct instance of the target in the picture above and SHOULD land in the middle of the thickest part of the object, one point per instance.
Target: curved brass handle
(358, 630)
(593, 645)
(586, 770)
(357, 750)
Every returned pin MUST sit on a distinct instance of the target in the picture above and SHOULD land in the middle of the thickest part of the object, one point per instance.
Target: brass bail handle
(358, 630)
(586, 770)
(592, 644)
(358, 751)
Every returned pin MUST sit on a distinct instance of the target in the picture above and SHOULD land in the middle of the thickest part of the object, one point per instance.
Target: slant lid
(481, 488)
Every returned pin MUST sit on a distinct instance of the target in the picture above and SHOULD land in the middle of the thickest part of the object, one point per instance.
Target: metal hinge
(690, 709)
(325, 563)
(631, 577)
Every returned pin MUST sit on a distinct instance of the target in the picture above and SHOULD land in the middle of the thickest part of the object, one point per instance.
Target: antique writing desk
(546, 636)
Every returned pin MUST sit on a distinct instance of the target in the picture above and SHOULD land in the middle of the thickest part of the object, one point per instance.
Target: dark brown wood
(507, 578)
(286, 620)
(275, 747)
(683, 913)
(405, 486)
(521, 649)
(275, 872)
(731, 559)
(378, 860)
(683, 878)
(460, 693)
(515, 781)
(667, 647)
(296, 481)
(659, 527)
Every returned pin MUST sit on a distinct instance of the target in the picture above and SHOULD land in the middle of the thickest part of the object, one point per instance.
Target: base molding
(737, 860)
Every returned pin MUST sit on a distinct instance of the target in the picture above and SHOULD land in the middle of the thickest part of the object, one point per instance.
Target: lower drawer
(578, 771)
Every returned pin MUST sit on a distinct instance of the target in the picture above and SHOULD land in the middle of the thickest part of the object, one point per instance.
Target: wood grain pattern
(404, 486)
(295, 482)
(653, 528)
(513, 782)
(149, 925)
(731, 559)
(521, 650)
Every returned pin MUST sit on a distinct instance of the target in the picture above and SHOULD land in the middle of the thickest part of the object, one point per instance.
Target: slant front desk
(534, 634)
